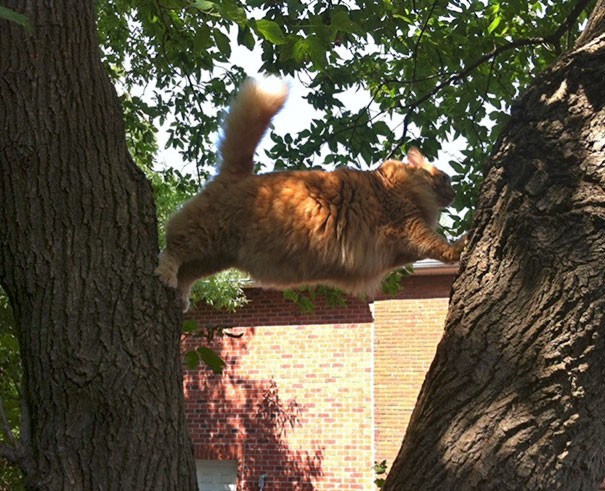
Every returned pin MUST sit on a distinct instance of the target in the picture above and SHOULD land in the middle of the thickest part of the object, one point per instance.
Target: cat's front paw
(458, 246)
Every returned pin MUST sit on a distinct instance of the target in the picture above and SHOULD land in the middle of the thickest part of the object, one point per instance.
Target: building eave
(428, 267)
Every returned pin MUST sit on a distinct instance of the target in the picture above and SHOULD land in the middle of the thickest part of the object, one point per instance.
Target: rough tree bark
(99, 335)
(514, 399)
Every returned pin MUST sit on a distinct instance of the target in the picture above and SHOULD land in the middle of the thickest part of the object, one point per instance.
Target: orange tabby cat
(345, 228)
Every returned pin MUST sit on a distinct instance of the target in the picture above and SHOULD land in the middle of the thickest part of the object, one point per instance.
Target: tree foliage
(429, 72)
(10, 393)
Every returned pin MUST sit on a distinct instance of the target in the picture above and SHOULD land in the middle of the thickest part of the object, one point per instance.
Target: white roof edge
(428, 267)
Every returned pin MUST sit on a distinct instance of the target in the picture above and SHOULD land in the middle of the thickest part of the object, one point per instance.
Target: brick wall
(311, 400)
(407, 333)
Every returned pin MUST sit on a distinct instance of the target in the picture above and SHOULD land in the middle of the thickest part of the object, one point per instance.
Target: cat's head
(439, 180)
(421, 177)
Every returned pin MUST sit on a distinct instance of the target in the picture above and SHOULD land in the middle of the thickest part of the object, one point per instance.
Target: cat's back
(311, 223)
(309, 204)
(298, 193)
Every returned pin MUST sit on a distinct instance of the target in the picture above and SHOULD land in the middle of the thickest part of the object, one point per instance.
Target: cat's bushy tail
(248, 119)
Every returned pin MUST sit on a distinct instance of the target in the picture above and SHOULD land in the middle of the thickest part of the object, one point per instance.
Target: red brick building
(310, 401)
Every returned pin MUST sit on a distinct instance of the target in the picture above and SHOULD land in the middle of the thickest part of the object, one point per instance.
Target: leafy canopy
(431, 71)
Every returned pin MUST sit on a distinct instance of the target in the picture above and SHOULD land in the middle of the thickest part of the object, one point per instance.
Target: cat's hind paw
(186, 304)
(167, 270)
(185, 293)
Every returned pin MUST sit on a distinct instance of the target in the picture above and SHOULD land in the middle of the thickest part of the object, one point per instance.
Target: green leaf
(300, 50)
(223, 43)
(192, 359)
(212, 359)
(11, 15)
(301, 297)
(381, 128)
(402, 17)
(201, 39)
(245, 38)
(203, 5)
(317, 51)
(270, 30)
(494, 24)
(342, 22)
(189, 326)
(232, 11)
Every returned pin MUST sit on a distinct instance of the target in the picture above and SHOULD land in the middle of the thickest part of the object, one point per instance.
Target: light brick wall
(312, 399)
(407, 334)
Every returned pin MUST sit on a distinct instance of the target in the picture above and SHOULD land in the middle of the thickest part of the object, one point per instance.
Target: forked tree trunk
(99, 335)
(515, 398)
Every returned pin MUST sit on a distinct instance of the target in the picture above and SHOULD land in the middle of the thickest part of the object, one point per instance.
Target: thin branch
(422, 31)
(461, 75)
(412, 82)
(595, 25)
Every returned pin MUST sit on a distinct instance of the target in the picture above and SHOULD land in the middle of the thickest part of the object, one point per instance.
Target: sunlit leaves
(270, 31)
(340, 21)
(306, 298)
(222, 291)
(11, 374)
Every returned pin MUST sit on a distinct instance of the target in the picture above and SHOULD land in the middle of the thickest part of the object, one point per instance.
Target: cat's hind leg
(189, 273)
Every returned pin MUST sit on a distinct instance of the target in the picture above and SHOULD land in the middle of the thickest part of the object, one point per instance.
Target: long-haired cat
(345, 228)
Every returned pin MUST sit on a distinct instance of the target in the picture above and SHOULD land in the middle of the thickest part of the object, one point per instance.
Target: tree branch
(595, 26)
(10, 454)
(422, 31)
(572, 17)
(552, 39)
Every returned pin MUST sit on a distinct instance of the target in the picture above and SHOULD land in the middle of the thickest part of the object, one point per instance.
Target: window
(216, 475)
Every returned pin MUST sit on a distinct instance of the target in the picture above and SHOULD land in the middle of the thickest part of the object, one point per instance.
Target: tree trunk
(99, 335)
(515, 398)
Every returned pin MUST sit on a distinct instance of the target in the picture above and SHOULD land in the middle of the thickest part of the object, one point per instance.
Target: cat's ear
(417, 159)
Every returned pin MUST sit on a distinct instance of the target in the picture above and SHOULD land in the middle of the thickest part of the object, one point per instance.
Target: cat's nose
(449, 197)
